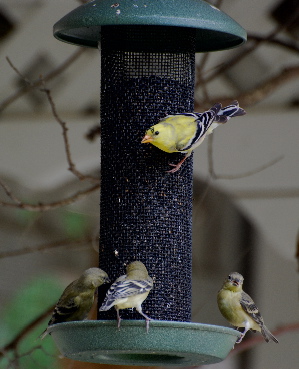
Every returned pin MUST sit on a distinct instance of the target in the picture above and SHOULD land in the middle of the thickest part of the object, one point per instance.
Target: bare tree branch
(249, 49)
(288, 44)
(93, 132)
(8, 192)
(49, 76)
(72, 167)
(251, 342)
(18, 204)
(266, 88)
(61, 243)
(214, 175)
(200, 82)
(254, 340)
(18, 72)
(271, 193)
(12, 345)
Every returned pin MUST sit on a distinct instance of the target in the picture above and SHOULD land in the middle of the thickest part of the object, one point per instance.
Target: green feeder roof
(215, 30)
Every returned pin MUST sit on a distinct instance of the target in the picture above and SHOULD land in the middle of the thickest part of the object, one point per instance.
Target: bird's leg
(240, 339)
(243, 334)
(178, 165)
(147, 319)
(118, 319)
(147, 324)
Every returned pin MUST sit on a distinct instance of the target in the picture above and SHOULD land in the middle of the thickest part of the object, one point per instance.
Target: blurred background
(246, 193)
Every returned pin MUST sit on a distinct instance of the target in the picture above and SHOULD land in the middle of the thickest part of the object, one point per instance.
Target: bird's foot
(178, 165)
(118, 322)
(175, 169)
(240, 339)
(147, 320)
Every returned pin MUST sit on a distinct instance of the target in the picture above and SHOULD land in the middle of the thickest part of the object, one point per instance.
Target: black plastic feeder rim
(147, 71)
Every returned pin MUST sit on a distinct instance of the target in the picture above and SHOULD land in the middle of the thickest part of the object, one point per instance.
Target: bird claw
(178, 165)
(147, 320)
(239, 340)
(175, 169)
(118, 322)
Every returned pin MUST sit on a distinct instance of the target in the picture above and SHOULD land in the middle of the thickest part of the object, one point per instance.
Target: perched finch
(77, 299)
(239, 308)
(183, 132)
(129, 291)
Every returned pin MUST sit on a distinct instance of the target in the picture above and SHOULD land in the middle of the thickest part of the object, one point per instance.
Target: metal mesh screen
(146, 212)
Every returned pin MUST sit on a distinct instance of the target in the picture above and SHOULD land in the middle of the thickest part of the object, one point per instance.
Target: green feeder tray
(166, 344)
(215, 30)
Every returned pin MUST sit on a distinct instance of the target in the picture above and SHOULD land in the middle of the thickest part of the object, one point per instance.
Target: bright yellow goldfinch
(239, 308)
(129, 291)
(77, 299)
(183, 132)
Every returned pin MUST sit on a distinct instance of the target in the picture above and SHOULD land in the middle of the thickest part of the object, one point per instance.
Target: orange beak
(147, 139)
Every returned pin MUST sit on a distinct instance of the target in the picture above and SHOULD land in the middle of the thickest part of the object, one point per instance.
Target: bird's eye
(156, 133)
(229, 277)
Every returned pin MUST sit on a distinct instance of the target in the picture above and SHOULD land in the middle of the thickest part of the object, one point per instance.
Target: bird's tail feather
(43, 335)
(216, 108)
(230, 111)
(218, 117)
(268, 335)
(107, 304)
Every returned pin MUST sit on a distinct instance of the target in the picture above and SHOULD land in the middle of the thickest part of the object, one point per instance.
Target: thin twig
(72, 167)
(24, 78)
(262, 91)
(271, 193)
(8, 192)
(31, 249)
(29, 353)
(49, 76)
(200, 82)
(254, 340)
(93, 132)
(268, 87)
(249, 49)
(288, 44)
(42, 206)
(12, 345)
(218, 3)
(214, 175)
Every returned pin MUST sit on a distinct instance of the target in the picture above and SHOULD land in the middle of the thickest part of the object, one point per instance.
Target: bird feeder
(147, 71)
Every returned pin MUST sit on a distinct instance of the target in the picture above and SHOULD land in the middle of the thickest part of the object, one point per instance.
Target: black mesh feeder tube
(147, 71)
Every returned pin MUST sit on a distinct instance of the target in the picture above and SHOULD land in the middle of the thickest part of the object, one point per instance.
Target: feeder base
(166, 344)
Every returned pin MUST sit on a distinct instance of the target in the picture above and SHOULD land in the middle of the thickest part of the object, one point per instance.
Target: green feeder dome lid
(215, 30)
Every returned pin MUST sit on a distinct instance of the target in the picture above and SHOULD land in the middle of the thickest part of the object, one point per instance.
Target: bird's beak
(236, 282)
(146, 139)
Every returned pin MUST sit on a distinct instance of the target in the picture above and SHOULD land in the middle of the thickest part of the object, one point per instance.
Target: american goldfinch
(184, 131)
(77, 299)
(129, 291)
(239, 308)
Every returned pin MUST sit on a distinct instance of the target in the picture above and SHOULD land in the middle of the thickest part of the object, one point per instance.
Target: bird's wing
(64, 310)
(125, 288)
(251, 309)
(204, 121)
